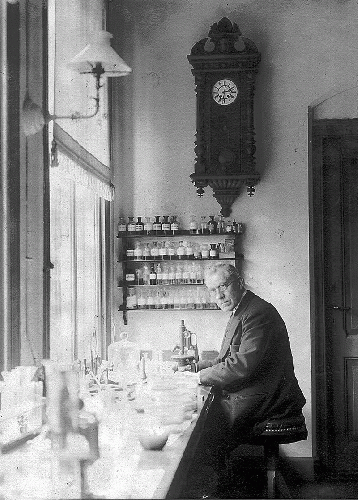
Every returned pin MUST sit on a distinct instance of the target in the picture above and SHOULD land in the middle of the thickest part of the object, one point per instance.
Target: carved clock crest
(224, 66)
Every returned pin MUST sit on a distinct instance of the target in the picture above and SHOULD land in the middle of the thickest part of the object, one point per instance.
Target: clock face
(225, 92)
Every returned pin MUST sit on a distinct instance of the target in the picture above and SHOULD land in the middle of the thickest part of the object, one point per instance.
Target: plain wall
(308, 51)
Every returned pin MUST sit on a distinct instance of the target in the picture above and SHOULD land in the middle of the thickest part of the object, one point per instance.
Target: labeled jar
(122, 227)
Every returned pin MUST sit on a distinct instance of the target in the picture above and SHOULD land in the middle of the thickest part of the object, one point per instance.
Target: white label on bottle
(166, 226)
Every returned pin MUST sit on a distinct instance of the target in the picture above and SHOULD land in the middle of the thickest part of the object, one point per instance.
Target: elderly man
(253, 376)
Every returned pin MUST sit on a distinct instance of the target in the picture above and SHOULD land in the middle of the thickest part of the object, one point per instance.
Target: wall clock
(224, 66)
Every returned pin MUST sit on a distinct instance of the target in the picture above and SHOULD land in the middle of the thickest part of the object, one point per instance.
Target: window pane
(88, 271)
(78, 298)
(62, 311)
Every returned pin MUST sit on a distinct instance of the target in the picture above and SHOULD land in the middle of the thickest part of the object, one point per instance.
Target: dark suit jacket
(254, 374)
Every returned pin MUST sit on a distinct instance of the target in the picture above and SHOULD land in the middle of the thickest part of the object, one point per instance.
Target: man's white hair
(227, 270)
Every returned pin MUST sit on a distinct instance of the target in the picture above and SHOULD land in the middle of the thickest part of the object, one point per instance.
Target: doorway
(334, 268)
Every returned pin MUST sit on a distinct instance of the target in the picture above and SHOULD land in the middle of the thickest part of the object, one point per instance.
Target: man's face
(225, 291)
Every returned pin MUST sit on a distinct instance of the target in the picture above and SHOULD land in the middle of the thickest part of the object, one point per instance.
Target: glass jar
(157, 226)
(212, 225)
(122, 227)
(166, 225)
(162, 250)
(131, 299)
(174, 226)
(131, 225)
(148, 226)
(139, 226)
(193, 225)
(138, 251)
(180, 250)
(154, 251)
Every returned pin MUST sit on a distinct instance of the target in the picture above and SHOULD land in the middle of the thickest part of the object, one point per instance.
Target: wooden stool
(274, 433)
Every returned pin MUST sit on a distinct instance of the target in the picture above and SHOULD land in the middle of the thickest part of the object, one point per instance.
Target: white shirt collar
(237, 305)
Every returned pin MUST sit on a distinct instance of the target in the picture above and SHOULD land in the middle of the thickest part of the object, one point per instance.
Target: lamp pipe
(97, 72)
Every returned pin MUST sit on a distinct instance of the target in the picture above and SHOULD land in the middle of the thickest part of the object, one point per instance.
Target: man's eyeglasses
(221, 288)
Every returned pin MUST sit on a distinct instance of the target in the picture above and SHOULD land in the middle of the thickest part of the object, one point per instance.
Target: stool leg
(271, 461)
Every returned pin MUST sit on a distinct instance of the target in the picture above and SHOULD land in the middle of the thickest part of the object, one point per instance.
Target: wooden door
(336, 156)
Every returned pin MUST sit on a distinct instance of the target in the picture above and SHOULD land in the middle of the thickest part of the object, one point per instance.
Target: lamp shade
(100, 52)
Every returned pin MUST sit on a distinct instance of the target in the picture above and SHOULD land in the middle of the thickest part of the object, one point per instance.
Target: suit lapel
(233, 323)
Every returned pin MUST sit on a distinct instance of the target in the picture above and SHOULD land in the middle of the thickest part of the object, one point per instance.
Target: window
(79, 188)
(79, 249)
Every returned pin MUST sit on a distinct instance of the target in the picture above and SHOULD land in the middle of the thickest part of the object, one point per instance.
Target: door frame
(323, 447)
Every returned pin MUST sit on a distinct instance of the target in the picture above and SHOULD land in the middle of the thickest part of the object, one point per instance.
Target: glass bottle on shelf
(150, 299)
(146, 274)
(189, 251)
(152, 276)
(212, 224)
(192, 273)
(178, 274)
(130, 278)
(130, 253)
(190, 298)
(162, 250)
(220, 225)
(138, 251)
(170, 250)
(154, 251)
(139, 226)
(198, 298)
(148, 226)
(174, 226)
(180, 250)
(199, 274)
(203, 225)
(171, 274)
(170, 299)
(213, 252)
(159, 274)
(196, 251)
(234, 226)
(228, 227)
(157, 226)
(121, 227)
(139, 276)
(165, 274)
(176, 295)
(186, 274)
(183, 298)
(157, 301)
(141, 299)
(131, 299)
(146, 252)
(166, 225)
(131, 225)
(204, 251)
(164, 299)
(193, 225)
